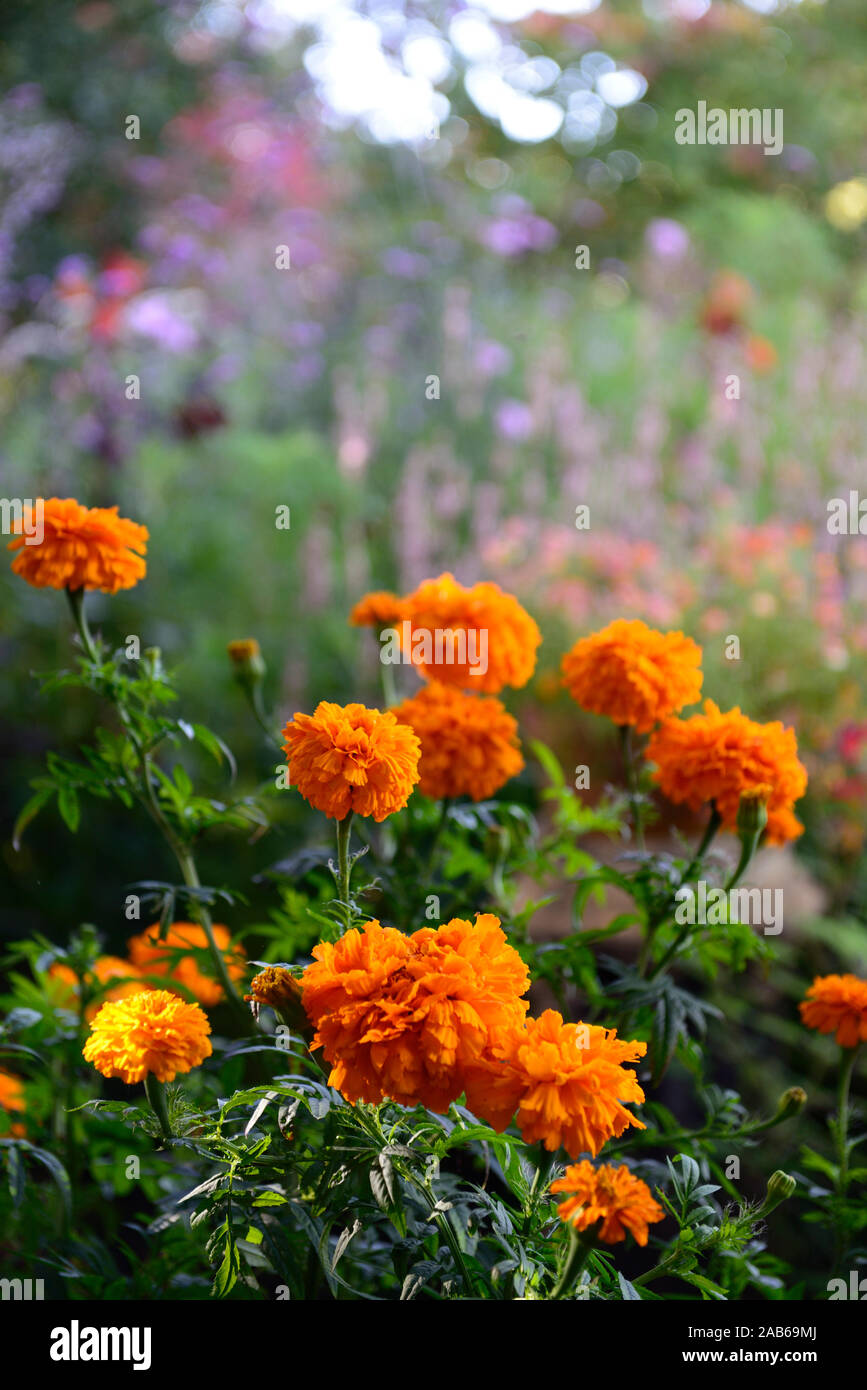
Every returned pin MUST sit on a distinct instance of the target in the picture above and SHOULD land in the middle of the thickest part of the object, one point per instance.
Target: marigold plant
(404, 1016)
(633, 674)
(614, 1196)
(346, 758)
(837, 1004)
(154, 1033)
(469, 743)
(567, 1082)
(81, 547)
(719, 757)
(495, 621)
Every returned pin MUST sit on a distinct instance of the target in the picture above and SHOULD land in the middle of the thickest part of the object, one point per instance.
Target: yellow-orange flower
(243, 650)
(12, 1100)
(404, 1016)
(837, 1003)
(105, 969)
(81, 547)
(633, 674)
(171, 957)
(566, 1080)
(720, 757)
(500, 635)
(614, 1196)
(348, 758)
(469, 743)
(153, 1033)
(377, 609)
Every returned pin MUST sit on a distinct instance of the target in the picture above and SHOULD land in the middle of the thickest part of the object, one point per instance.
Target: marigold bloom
(720, 757)
(613, 1195)
(105, 969)
(404, 1016)
(81, 548)
(469, 743)
(154, 957)
(11, 1091)
(377, 609)
(632, 673)
(12, 1100)
(494, 621)
(348, 758)
(152, 1033)
(566, 1080)
(837, 1003)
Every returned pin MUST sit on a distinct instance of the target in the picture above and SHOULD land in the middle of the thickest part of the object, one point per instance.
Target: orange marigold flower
(105, 969)
(152, 1033)
(837, 1003)
(499, 635)
(632, 673)
(81, 547)
(171, 957)
(404, 1016)
(720, 757)
(378, 609)
(348, 758)
(12, 1100)
(469, 743)
(567, 1081)
(614, 1196)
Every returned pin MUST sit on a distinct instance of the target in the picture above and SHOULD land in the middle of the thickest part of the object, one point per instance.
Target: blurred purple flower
(512, 236)
(153, 316)
(408, 265)
(491, 358)
(513, 420)
(666, 238)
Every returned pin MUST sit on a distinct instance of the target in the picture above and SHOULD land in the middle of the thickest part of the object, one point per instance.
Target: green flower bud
(247, 662)
(791, 1102)
(780, 1188)
(752, 813)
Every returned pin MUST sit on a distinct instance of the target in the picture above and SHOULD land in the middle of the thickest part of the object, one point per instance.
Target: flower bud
(247, 662)
(791, 1102)
(753, 812)
(780, 1188)
(278, 987)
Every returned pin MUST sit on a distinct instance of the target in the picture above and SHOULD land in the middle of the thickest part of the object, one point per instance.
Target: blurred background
(264, 253)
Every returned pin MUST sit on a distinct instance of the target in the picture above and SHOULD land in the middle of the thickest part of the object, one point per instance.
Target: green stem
(181, 851)
(664, 1267)
(434, 844)
(343, 868)
(711, 829)
(847, 1066)
(191, 879)
(580, 1246)
(156, 1095)
(389, 689)
(258, 708)
(76, 603)
(748, 849)
(625, 732)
